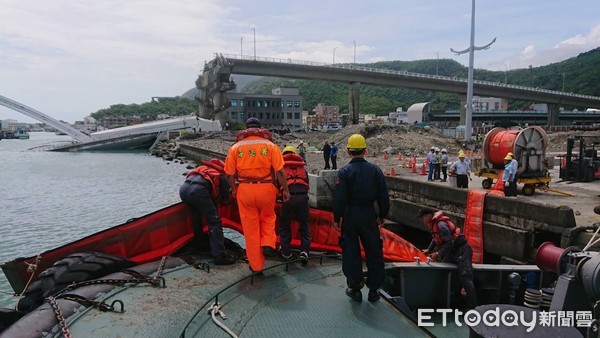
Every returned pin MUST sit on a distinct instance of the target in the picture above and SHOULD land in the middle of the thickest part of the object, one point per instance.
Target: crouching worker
(450, 246)
(204, 188)
(297, 206)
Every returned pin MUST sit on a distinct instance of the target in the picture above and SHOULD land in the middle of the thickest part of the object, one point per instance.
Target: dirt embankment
(408, 140)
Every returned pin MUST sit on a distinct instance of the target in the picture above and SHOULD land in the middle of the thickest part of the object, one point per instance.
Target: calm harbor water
(49, 199)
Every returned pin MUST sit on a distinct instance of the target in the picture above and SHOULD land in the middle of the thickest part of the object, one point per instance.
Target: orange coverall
(251, 160)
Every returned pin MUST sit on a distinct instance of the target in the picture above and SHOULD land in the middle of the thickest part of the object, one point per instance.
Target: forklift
(584, 166)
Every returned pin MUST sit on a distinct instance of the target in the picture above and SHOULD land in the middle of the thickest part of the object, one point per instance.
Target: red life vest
(253, 132)
(295, 170)
(216, 164)
(210, 175)
(433, 227)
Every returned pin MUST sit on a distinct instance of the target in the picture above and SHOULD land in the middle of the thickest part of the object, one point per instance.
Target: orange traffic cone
(563, 162)
(392, 172)
(399, 156)
(385, 156)
(423, 169)
(414, 168)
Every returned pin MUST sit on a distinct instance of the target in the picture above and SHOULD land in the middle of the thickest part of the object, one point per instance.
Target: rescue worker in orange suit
(358, 185)
(297, 207)
(255, 162)
(449, 245)
(204, 188)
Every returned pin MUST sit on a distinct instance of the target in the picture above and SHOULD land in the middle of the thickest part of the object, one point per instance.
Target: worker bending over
(449, 245)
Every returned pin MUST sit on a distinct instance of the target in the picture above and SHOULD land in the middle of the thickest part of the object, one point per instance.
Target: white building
(9, 124)
(489, 104)
(397, 117)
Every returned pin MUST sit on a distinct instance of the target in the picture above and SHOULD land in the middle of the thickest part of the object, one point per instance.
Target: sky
(70, 58)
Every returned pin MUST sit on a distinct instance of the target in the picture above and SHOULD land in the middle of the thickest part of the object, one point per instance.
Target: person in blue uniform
(508, 176)
(333, 152)
(358, 185)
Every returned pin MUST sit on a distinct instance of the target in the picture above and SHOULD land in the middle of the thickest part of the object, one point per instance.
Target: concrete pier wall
(513, 228)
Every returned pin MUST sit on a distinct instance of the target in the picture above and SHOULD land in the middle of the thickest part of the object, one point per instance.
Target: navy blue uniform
(195, 192)
(359, 184)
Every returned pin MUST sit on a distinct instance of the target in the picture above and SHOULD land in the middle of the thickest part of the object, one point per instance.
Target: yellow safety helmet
(357, 142)
(508, 158)
(461, 154)
(289, 149)
(510, 154)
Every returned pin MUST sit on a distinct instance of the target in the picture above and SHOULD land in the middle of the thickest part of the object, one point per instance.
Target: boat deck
(301, 302)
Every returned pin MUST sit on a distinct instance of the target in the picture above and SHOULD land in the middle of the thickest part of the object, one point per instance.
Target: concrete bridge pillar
(354, 99)
(553, 110)
(213, 84)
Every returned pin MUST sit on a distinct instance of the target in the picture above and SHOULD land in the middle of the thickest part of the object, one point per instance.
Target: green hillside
(580, 76)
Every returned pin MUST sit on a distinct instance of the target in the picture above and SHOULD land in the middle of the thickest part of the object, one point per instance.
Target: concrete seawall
(513, 228)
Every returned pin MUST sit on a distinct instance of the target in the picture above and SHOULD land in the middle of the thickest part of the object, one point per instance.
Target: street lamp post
(334, 48)
(437, 61)
(354, 42)
(254, 31)
(563, 87)
(471, 50)
(241, 46)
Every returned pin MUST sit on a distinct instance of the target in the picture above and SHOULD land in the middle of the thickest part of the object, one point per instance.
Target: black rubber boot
(269, 252)
(224, 259)
(373, 295)
(354, 294)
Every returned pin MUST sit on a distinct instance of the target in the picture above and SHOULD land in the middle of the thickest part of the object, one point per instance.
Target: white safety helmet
(444, 150)
(437, 149)
(432, 148)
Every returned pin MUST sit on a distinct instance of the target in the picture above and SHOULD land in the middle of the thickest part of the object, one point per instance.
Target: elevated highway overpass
(224, 65)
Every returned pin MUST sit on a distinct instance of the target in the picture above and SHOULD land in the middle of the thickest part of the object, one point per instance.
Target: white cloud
(529, 52)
